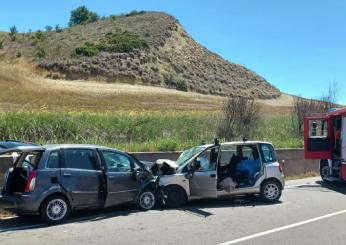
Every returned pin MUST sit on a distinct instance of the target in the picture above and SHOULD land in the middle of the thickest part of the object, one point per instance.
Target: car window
(117, 162)
(268, 153)
(208, 160)
(31, 159)
(81, 159)
(53, 160)
(227, 152)
(250, 152)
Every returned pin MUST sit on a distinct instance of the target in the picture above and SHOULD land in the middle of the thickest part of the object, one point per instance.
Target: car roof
(85, 146)
(13, 143)
(250, 142)
(28, 148)
(245, 142)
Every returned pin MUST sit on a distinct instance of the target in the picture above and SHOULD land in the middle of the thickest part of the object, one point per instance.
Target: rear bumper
(18, 203)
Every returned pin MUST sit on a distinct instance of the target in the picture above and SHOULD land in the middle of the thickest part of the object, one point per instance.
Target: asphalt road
(310, 213)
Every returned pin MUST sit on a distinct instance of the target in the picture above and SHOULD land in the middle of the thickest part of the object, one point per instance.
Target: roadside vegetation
(135, 131)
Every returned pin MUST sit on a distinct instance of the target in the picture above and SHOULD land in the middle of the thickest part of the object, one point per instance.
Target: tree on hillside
(48, 28)
(13, 32)
(82, 15)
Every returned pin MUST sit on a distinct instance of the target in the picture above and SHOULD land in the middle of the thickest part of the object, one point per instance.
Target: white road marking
(242, 239)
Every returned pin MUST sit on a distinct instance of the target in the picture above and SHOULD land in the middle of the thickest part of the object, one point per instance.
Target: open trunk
(24, 164)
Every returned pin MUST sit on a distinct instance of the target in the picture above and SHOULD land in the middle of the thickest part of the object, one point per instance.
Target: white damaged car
(231, 168)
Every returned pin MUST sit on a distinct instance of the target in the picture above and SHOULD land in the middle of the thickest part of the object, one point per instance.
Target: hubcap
(56, 209)
(147, 200)
(271, 191)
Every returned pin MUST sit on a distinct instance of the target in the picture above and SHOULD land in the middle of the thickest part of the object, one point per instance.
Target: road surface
(310, 213)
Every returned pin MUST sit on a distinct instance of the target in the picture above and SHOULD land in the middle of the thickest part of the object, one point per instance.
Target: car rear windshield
(268, 153)
(22, 159)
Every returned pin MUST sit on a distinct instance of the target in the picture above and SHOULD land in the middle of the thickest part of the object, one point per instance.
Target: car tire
(175, 196)
(55, 209)
(147, 200)
(323, 166)
(271, 191)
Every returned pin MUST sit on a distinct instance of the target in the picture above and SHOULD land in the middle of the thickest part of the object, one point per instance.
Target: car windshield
(186, 155)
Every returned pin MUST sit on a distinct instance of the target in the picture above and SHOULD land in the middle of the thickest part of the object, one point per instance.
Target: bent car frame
(232, 168)
(54, 180)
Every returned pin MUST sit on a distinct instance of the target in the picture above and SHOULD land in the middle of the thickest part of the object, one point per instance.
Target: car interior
(18, 176)
(239, 166)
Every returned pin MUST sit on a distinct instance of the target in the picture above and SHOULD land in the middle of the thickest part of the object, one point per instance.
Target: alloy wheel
(56, 209)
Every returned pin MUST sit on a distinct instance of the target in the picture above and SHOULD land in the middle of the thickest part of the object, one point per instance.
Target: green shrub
(118, 42)
(134, 12)
(58, 28)
(181, 85)
(82, 15)
(13, 33)
(41, 53)
(177, 83)
(39, 36)
(114, 17)
(88, 49)
(122, 42)
(1, 44)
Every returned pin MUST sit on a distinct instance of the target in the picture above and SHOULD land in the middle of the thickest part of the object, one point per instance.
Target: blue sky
(297, 45)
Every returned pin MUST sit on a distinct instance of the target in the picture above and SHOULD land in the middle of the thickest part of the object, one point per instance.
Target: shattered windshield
(186, 155)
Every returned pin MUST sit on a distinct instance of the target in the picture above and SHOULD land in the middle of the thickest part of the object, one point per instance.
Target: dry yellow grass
(24, 87)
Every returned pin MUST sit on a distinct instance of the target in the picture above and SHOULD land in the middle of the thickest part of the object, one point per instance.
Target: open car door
(318, 138)
(203, 182)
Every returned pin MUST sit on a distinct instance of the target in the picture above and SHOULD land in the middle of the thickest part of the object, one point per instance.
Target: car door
(203, 181)
(82, 176)
(122, 185)
(318, 132)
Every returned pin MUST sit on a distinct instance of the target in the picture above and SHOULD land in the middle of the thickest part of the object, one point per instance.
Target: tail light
(30, 185)
(281, 166)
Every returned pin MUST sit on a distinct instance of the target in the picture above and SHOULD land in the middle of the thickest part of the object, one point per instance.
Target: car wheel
(55, 209)
(175, 196)
(324, 170)
(271, 191)
(146, 200)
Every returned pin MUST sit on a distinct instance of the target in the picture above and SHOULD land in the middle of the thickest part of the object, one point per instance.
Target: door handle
(212, 175)
(67, 174)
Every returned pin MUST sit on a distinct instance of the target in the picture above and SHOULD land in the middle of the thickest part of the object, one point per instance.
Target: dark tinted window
(81, 159)
(53, 160)
(117, 162)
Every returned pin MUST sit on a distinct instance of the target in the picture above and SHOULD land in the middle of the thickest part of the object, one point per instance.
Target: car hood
(164, 167)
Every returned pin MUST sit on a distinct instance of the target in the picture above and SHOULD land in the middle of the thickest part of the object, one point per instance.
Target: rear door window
(81, 159)
(54, 160)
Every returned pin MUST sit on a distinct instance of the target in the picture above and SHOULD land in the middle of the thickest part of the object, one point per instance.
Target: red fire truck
(325, 139)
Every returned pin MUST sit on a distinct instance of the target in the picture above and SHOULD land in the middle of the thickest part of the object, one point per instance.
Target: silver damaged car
(231, 168)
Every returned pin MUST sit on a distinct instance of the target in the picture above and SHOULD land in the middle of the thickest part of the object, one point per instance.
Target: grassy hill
(74, 86)
(166, 56)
